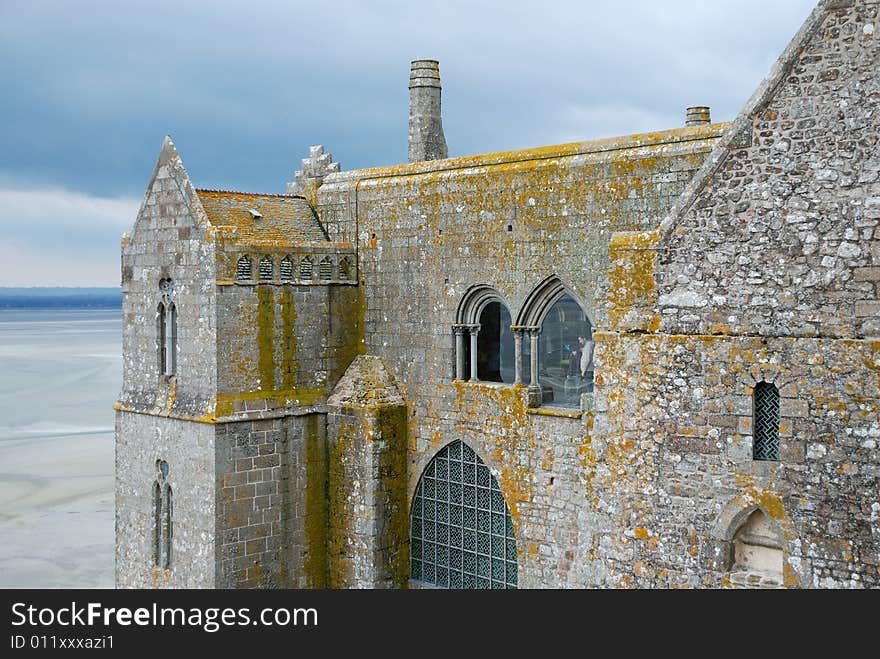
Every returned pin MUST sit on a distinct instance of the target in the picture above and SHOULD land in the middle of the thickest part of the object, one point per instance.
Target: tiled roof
(284, 218)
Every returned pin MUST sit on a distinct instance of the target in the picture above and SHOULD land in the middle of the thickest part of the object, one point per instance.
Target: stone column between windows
(517, 353)
(459, 351)
(474, 330)
(533, 346)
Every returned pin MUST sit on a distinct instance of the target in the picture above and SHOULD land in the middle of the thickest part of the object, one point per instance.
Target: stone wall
(427, 232)
(672, 441)
(764, 271)
(271, 503)
(188, 449)
(169, 241)
(368, 529)
(783, 235)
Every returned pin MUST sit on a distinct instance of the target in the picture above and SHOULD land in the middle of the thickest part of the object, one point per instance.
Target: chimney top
(424, 73)
(699, 114)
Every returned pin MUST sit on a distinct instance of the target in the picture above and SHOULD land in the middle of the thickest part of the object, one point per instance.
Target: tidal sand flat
(60, 373)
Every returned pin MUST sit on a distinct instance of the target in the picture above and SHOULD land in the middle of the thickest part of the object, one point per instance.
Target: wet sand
(59, 377)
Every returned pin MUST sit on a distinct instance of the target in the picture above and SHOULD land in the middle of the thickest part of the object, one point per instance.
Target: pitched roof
(263, 217)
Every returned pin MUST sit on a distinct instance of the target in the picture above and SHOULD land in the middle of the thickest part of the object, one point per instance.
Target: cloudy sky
(90, 87)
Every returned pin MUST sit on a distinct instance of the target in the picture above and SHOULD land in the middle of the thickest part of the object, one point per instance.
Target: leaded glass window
(461, 531)
(766, 422)
(565, 353)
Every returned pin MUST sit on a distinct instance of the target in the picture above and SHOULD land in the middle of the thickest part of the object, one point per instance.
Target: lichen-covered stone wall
(271, 503)
(766, 271)
(783, 237)
(188, 450)
(169, 240)
(368, 520)
(673, 444)
(427, 232)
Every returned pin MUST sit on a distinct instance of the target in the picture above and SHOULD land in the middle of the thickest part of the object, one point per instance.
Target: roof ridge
(253, 194)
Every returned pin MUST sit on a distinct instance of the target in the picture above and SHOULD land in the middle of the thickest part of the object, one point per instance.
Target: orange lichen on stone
(632, 289)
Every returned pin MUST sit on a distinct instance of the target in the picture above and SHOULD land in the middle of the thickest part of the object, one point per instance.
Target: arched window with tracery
(558, 357)
(166, 329)
(485, 348)
(163, 510)
(461, 531)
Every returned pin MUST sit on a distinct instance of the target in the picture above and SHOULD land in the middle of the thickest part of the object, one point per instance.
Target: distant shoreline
(59, 297)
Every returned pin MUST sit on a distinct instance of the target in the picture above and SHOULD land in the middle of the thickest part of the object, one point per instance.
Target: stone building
(646, 361)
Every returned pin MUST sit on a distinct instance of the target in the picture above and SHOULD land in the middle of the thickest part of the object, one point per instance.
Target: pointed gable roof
(739, 134)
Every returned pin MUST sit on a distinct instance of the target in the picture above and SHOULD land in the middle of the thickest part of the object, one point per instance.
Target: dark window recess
(244, 269)
(286, 268)
(325, 268)
(766, 422)
(495, 345)
(266, 268)
(305, 269)
(344, 270)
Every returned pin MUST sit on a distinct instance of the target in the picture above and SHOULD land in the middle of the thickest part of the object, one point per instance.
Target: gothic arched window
(461, 531)
(495, 344)
(166, 330)
(244, 270)
(484, 340)
(163, 509)
(266, 268)
(286, 268)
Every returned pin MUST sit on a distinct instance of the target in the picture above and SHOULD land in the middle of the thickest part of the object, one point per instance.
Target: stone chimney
(426, 140)
(698, 115)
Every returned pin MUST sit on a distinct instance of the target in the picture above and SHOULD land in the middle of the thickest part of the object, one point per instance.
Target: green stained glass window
(461, 535)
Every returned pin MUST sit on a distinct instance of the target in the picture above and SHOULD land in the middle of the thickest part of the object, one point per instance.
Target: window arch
(306, 267)
(244, 270)
(344, 269)
(286, 269)
(558, 357)
(166, 329)
(267, 268)
(757, 552)
(461, 531)
(161, 337)
(485, 346)
(325, 268)
(765, 422)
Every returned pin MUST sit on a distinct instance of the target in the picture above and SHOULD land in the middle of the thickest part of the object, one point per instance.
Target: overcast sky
(90, 87)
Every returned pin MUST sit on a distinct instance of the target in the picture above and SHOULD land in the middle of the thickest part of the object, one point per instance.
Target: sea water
(60, 374)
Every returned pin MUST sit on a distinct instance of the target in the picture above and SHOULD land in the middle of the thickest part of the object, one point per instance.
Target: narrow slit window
(161, 340)
(286, 268)
(244, 269)
(766, 422)
(325, 268)
(169, 527)
(266, 268)
(157, 523)
(171, 338)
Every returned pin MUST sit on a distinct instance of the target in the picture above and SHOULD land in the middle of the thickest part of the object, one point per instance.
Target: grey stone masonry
(369, 524)
(426, 139)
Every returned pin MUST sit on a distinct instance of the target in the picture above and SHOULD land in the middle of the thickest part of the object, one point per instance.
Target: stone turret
(426, 140)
